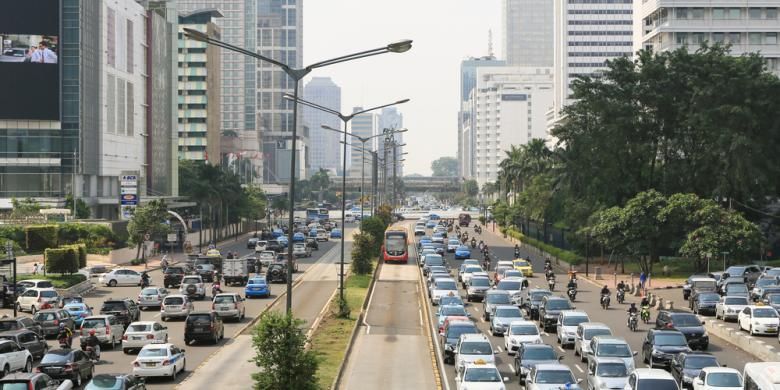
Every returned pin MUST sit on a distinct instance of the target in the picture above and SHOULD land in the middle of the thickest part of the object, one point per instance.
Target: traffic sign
(171, 237)
(129, 199)
(129, 190)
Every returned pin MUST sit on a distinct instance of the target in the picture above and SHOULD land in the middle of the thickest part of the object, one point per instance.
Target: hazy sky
(444, 33)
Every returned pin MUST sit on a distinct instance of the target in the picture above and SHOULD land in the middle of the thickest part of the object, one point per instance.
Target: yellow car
(523, 266)
(213, 253)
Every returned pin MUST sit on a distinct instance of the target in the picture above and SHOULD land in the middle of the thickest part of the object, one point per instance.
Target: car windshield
(480, 282)
(451, 300)
(590, 333)
(453, 242)
(670, 340)
(498, 298)
(612, 370)
(554, 376)
(452, 310)
(508, 312)
(767, 312)
(446, 285)
(199, 318)
(736, 288)
(574, 320)
(735, 271)
(738, 300)
(45, 317)
(479, 374)
(521, 264)
(256, 281)
(724, 379)
(113, 306)
(105, 382)
(190, 281)
(475, 348)
(9, 325)
(149, 291)
(614, 350)
(434, 260)
(174, 301)
(509, 285)
(79, 307)
(539, 354)
(96, 323)
(60, 356)
(172, 270)
(558, 304)
(153, 352)
(538, 295)
(139, 328)
(656, 384)
(524, 330)
(765, 282)
(454, 332)
(224, 299)
(683, 320)
(472, 269)
(699, 362)
(709, 297)
(773, 298)
(48, 294)
(773, 272)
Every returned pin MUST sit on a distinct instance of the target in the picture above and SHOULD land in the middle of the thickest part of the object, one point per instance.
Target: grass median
(333, 334)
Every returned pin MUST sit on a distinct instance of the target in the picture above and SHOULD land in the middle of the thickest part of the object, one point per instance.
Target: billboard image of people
(30, 59)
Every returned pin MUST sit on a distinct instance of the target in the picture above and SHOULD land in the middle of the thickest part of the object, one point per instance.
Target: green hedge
(14, 233)
(40, 237)
(63, 260)
(94, 236)
(564, 255)
(81, 253)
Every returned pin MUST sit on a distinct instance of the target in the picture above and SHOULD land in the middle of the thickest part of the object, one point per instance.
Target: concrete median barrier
(764, 348)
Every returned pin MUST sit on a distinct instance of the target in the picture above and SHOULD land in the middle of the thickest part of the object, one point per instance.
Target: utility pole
(395, 179)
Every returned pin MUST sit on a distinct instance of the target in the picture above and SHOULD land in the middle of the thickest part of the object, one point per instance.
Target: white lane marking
(156, 315)
(511, 368)
(577, 366)
(482, 319)
(561, 349)
(499, 349)
(419, 311)
(545, 334)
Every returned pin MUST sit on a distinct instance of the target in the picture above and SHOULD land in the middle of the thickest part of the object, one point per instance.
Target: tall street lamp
(344, 118)
(296, 74)
(11, 259)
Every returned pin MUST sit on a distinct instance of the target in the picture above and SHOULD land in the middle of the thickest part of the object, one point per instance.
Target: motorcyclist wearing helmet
(94, 342)
(605, 290)
(65, 333)
(631, 311)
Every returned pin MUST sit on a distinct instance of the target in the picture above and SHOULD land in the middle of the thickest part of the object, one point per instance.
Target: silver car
(176, 306)
(151, 297)
(607, 373)
(728, 307)
(585, 332)
(229, 305)
(502, 317)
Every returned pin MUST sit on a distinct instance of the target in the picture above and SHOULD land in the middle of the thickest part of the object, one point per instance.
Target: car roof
(702, 279)
(22, 375)
(594, 325)
(522, 322)
(662, 331)
(14, 332)
(154, 345)
(652, 373)
(474, 337)
(574, 313)
(502, 292)
(720, 370)
(99, 316)
(507, 307)
(175, 296)
(552, 367)
(143, 322)
(601, 359)
(604, 339)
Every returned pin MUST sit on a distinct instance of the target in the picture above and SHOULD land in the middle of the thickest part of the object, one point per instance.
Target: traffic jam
(501, 320)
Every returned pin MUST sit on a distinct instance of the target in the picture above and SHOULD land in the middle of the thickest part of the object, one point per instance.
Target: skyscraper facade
(390, 118)
(325, 150)
(363, 125)
(528, 32)
(279, 36)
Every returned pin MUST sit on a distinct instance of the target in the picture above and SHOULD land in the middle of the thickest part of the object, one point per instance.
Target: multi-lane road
(115, 361)
(587, 300)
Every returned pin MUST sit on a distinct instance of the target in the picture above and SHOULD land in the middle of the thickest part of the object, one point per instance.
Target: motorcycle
(65, 341)
(645, 314)
(632, 322)
(549, 274)
(551, 283)
(605, 301)
(547, 265)
(517, 253)
(473, 244)
(621, 296)
(572, 293)
(91, 352)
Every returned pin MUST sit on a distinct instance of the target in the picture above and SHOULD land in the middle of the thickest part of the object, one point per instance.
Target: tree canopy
(445, 166)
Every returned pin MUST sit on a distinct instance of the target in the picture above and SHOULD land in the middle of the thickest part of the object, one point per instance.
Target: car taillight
(30, 386)
(108, 330)
(136, 364)
(149, 336)
(56, 322)
(213, 307)
(124, 337)
(38, 369)
(166, 362)
(70, 366)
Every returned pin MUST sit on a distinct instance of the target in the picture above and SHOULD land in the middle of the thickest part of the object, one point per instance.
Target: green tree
(320, 182)
(375, 227)
(82, 210)
(24, 208)
(281, 354)
(362, 253)
(445, 166)
(471, 188)
(149, 219)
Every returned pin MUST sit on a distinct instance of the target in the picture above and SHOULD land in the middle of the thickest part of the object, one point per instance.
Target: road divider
(758, 347)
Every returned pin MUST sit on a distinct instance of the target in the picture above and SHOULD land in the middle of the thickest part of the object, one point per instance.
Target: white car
(419, 230)
(481, 376)
(323, 235)
(14, 358)
(467, 272)
(260, 246)
(718, 378)
(229, 305)
(452, 245)
(566, 328)
(759, 320)
(33, 298)
(442, 287)
(151, 297)
(121, 277)
(551, 376)
(514, 286)
(473, 347)
(650, 378)
(141, 333)
(193, 286)
(160, 360)
(729, 307)
(521, 332)
(607, 373)
(176, 306)
(505, 263)
(266, 258)
(108, 329)
(585, 332)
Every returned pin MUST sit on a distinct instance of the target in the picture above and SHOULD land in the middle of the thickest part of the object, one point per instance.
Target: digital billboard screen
(30, 59)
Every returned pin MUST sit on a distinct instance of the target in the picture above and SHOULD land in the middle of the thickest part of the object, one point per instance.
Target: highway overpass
(412, 184)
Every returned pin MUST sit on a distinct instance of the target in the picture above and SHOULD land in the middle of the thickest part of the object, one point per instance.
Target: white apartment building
(587, 34)
(509, 106)
(364, 126)
(528, 32)
(748, 26)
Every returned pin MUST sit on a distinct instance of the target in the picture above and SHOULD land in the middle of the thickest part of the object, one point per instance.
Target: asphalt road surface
(115, 361)
(587, 300)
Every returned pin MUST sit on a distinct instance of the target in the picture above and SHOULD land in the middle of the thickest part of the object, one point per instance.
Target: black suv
(276, 272)
(549, 309)
(687, 323)
(172, 276)
(7, 324)
(312, 243)
(125, 310)
(251, 243)
(273, 245)
(205, 326)
(660, 346)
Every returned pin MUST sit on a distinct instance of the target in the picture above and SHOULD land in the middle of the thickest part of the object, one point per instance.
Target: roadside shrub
(94, 236)
(62, 260)
(14, 233)
(375, 227)
(81, 253)
(562, 254)
(40, 237)
(362, 253)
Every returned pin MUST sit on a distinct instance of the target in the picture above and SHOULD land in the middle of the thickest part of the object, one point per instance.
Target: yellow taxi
(213, 253)
(523, 266)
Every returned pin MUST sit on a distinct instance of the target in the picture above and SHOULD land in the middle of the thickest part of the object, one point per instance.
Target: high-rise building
(199, 99)
(390, 118)
(325, 150)
(279, 29)
(238, 99)
(587, 34)
(528, 32)
(748, 26)
(363, 125)
(509, 106)
(468, 80)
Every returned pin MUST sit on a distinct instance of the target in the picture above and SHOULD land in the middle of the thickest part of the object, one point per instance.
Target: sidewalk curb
(752, 345)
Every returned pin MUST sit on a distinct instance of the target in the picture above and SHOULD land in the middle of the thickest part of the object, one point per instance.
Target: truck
(464, 219)
(235, 271)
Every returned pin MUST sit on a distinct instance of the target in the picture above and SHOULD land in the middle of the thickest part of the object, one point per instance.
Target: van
(349, 218)
(762, 376)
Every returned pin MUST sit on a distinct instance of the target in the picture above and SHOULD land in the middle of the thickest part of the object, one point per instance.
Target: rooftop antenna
(490, 43)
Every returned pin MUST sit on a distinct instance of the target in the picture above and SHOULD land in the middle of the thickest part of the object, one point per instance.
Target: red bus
(395, 248)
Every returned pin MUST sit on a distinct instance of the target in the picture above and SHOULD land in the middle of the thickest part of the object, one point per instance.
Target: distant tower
(490, 43)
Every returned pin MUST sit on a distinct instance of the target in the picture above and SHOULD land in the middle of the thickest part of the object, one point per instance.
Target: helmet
(92, 332)
(633, 304)
(62, 326)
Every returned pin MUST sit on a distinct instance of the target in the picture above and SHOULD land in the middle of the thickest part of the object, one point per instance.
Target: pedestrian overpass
(412, 184)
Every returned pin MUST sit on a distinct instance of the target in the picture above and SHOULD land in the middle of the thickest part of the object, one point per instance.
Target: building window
(719, 13)
(698, 38)
(682, 13)
(735, 38)
(754, 38)
(681, 38)
(130, 47)
(697, 13)
(735, 13)
(110, 37)
(771, 13)
(771, 38)
(718, 37)
(755, 13)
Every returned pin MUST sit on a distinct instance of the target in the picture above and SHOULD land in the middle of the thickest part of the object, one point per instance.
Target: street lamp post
(11, 259)
(345, 119)
(296, 74)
